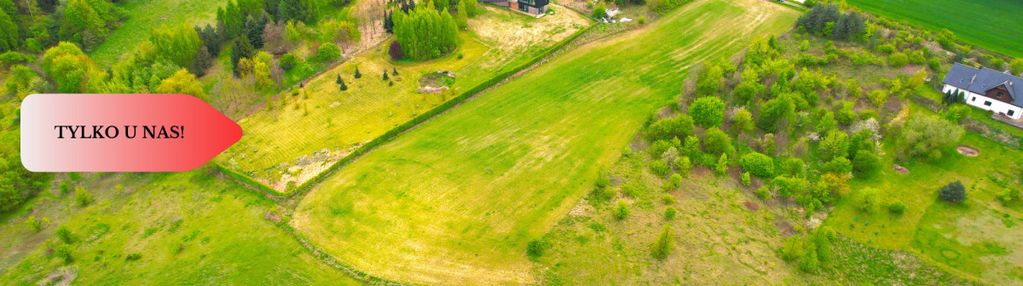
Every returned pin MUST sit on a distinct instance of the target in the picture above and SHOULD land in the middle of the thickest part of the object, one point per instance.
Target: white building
(986, 89)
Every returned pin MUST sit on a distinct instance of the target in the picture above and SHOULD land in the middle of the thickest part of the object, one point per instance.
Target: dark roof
(981, 80)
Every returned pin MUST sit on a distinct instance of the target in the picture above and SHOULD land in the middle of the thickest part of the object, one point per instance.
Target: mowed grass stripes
(456, 200)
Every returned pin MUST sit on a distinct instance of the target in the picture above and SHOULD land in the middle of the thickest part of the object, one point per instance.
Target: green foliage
(8, 32)
(707, 111)
(710, 83)
(679, 126)
(757, 164)
(535, 248)
(665, 6)
(742, 121)
(898, 59)
(328, 52)
(16, 183)
(599, 12)
(674, 181)
(22, 81)
(774, 111)
(425, 33)
(927, 135)
(812, 251)
(954, 192)
(866, 162)
(1016, 66)
(621, 210)
(896, 208)
(745, 180)
(182, 82)
(298, 10)
(180, 44)
(664, 244)
(660, 168)
(82, 24)
(670, 213)
(840, 165)
(722, 166)
(70, 69)
(684, 165)
(867, 200)
(834, 145)
(65, 236)
(716, 142)
(83, 197)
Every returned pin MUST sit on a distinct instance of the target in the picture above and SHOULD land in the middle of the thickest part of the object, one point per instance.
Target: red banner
(121, 132)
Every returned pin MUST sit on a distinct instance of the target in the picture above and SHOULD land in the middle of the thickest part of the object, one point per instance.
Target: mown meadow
(307, 129)
(146, 16)
(457, 199)
(984, 23)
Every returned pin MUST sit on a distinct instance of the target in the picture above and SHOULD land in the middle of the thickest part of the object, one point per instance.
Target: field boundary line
(301, 190)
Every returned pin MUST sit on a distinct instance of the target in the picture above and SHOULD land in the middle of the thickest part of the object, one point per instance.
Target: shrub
(898, 59)
(927, 135)
(834, 145)
(866, 162)
(684, 165)
(867, 200)
(839, 165)
(1008, 195)
(663, 246)
(394, 50)
(722, 166)
(746, 181)
(673, 127)
(83, 197)
(896, 208)
(716, 142)
(599, 12)
(65, 235)
(707, 111)
(670, 213)
(759, 165)
(621, 211)
(763, 192)
(328, 52)
(668, 199)
(674, 182)
(665, 6)
(289, 61)
(63, 252)
(536, 248)
(660, 168)
(954, 192)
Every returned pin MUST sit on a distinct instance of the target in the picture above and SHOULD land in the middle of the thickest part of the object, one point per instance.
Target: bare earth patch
(967, 151)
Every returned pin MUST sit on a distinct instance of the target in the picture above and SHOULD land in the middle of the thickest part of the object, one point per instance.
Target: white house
(986, 89)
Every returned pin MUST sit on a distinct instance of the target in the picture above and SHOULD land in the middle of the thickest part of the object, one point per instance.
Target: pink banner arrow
(121, 132)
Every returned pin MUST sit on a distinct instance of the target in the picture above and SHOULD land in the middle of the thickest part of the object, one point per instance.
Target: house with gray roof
(987, 89)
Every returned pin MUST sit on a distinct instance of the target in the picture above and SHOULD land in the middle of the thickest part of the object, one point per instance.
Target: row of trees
(426, 31)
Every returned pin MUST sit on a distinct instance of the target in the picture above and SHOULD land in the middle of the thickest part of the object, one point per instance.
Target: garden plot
(304, 131)
(455, 200)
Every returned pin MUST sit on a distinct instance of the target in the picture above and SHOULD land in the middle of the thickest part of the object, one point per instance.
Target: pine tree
(394, 71)
(357, 73)
(385, 76)
(338, 80)
(341, 84)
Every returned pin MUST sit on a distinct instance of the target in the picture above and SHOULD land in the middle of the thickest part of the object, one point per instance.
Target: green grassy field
(299, 135)
(456, 200)
(146, 15)
(188, 229)
(975, 240)
(985, 23)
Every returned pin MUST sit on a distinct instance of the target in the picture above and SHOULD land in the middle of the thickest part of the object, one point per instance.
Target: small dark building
(532, 7)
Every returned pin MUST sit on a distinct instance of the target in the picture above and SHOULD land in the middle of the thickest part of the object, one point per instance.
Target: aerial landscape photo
(517, 142)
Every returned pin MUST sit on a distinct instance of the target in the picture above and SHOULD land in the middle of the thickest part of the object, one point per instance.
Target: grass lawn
(300, 134)
(188, 229)
(456, 200)
(982, 23)
(975, 240)
(146, 15)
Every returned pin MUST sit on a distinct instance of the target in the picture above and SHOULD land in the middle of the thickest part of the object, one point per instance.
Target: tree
(663, 246)
(298, 10)
(471, 7)
(328, 52)
(759, 165)
(711, 81)
(717, 142)
(599, 12)
(424, 33)
(182, 82)
(82, 24)
(341, 84)
(927, 135)
(678, 126)
(202, 62)
(386, 78)
(179, 44)
(866, 162)
(707, 111)
(834, 145)
(819, 19)
(70, 69)
(8, 32)
(255, 24)
(16, 183)
(242, 49)
(1016, 66)
(22, 81)
(357, 74)
(742, 121)
(535, 248)
(274, 39)
(954, 192)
